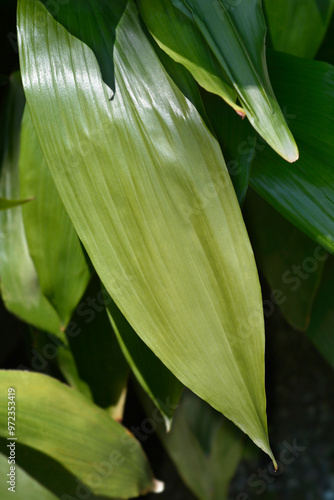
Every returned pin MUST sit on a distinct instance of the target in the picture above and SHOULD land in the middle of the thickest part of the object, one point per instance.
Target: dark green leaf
(95, 349)
(159, 383)
(291, 262)
(5, 203)
(296, 26)
(321, 327)
(237, 139)
(304, 192)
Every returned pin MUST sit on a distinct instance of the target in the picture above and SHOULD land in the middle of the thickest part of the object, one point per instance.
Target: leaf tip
(158, 486)
(168, 423)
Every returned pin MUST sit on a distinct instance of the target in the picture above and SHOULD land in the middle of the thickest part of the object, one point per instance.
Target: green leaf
(303, 193)
(298, 27)
(53, 244)
(63, 424)
(205, 447)
(94, 346)
(95, 24)
(147, 189)
(159, 383)
(5, 203)
(320, 330)
(237, 140)
(20, 288)
(26, 487)
(224, 49)
(291, 262)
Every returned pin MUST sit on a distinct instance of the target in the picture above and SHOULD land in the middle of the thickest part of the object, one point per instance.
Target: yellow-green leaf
(148, 192)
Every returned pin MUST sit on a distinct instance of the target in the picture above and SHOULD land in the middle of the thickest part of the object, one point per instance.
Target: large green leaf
(26, 488)
(291, 262)
(20, 288)
(53, 244)
(5, 203)
(63, 424)
(298, 27)
(303, 193)
(151, 199)
(224, 49)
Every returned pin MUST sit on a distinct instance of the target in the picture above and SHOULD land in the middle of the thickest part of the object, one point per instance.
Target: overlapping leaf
(160, 384)
(304, 192)
(205, 447)
(94, 346)
(53, 244)
(291, 262)
(20, 288)
(150, 197)
(237, 139)
(63, 424)
(224, 50)
(298, 27)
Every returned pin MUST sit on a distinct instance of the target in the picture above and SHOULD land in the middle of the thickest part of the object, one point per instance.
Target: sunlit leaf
(53, 244)
(20, 287)
(63, 424)
(224, 49)
(148, 192)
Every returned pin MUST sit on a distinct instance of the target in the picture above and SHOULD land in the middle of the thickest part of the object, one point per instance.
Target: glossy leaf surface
(224, 49)
(148, 192)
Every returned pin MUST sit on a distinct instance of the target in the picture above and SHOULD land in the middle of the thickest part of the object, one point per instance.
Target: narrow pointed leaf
(303, 193)
(94, 346)
(150, 198)
(93, 22)
(160, 384)
(53, 243)
(297, 27)
(236, 38)
(291, 262)
(20, 287)
(63, 424)
(5, 203)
